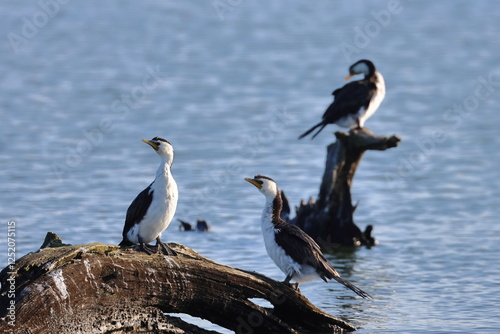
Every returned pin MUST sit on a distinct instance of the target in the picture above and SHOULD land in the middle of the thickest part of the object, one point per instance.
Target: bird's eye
(260, 182)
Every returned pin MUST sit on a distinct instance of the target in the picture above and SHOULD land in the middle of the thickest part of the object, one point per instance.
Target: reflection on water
(232, 96)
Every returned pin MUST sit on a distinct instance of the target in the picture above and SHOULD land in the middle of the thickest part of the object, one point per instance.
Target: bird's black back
(349, 99)
(302, 248)
(137, 210)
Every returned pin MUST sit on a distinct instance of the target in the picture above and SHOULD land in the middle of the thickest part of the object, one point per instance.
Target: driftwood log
(329, 218)
(96, 288)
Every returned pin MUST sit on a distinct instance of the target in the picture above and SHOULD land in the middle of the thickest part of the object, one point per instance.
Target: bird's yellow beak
(255, 183)
(349, 76)
(150, 143)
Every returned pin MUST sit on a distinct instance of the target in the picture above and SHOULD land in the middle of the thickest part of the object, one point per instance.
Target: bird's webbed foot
(293, 285)
(148, 249)
(164, 248)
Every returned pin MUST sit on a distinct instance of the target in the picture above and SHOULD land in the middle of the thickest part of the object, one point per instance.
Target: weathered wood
(96, 288)
(329, 219)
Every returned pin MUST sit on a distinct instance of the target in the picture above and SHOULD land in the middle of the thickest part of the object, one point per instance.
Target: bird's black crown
(263, 177)
(161, 139)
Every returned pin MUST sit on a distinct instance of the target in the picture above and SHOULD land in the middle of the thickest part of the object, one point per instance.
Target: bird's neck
(163, 171)
(272, 211)
(375, 77)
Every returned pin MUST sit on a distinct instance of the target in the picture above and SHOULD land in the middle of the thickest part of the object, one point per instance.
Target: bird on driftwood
(355, 102)
(153, 209)
(293, 251)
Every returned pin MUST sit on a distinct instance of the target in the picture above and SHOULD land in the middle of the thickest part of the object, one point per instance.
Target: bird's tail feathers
(312, 129)
(317, 132)
(352, 287)
(125, 243)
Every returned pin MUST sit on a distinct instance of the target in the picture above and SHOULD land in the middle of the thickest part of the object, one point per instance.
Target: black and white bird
(153, 209)
(293, 251)
(355, 102)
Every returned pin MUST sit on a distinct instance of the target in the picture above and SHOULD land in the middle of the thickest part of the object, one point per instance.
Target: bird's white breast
(375, 101)
(160, 212)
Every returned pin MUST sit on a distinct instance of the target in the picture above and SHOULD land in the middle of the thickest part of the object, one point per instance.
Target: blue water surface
(232, 84)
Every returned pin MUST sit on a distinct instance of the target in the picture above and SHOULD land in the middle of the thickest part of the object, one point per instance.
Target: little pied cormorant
(293, 251)
(153, 209)
(355, 102)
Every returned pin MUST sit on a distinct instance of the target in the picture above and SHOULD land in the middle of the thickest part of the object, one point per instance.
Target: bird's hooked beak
(152, 144)
(254, 182)
(350, 76)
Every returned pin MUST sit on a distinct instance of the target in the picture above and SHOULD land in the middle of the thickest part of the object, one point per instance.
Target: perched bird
(153, 209)
(355, 102)
(293, 251)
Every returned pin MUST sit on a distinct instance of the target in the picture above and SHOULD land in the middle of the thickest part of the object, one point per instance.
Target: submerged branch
(329, 219)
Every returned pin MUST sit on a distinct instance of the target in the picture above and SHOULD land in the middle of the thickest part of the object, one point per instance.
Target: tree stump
(96, 288)
(329, 219)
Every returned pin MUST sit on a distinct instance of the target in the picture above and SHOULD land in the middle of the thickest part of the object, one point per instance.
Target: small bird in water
(355, 102)
(201, 226)
(153, 209)
(293, 251)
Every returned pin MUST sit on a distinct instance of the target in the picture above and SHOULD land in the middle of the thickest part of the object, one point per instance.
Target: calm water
(232, 89)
